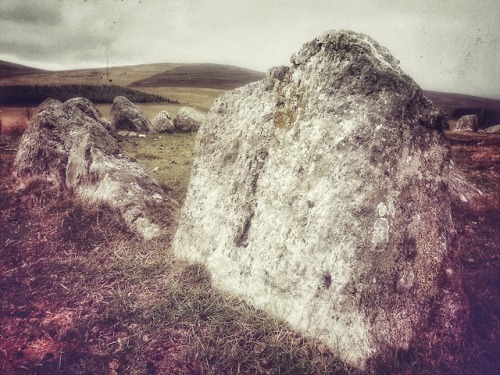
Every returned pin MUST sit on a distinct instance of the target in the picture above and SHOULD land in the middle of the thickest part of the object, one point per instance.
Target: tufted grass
(168, 157)
(85, 297)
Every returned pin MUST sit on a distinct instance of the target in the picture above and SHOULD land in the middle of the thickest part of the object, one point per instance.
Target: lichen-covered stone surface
(73, 151)
(321, 194)
(125, 115)
(493, 129)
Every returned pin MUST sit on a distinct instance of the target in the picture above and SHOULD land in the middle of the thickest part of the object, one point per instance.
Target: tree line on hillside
(35, 94)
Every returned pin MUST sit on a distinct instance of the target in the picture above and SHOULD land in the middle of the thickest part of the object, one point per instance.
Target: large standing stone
(71, 150)
(188, 120)
(321, 195)
(125, 115)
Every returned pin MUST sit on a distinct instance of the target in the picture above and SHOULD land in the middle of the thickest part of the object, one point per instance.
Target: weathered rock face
(321, 194)
(125, 115)
(188, 120)
(65, 147)
(87, 107)
(466, 123)
(163, 123)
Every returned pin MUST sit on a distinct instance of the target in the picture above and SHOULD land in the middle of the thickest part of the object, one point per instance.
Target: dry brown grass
(83, 297)
(13, 121)
(121, 76)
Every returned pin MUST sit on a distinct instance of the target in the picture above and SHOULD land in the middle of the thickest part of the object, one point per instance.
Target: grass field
(201, 75)
(121, 76)
(14, 118)
(81, 296)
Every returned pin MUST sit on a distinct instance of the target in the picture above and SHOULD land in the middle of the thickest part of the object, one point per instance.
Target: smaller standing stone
(188, 120)
(125, 115)
(72, 151)
(467, 123)
(163, 123)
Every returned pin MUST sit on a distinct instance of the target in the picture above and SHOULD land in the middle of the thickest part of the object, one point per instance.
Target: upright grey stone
(163, 123)
(125, 115)
(320, 194)
(87, 107)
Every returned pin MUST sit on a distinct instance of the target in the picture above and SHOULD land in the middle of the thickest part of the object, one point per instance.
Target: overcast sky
(445, 45)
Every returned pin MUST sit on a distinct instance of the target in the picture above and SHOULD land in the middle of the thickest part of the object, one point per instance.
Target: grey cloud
(447, 46)
(65, 45)
(31, 12)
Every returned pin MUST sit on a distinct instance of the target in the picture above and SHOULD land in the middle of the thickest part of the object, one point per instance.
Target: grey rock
(87, 107)
(163, 123)
(125, 115)
(467, 123)
(68, 149)
(188, 120)
(320, 194)
(492, 129)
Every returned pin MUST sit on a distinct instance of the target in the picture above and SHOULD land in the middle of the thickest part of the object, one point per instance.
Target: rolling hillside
(199, 84)
(215, 76)
(8, 70)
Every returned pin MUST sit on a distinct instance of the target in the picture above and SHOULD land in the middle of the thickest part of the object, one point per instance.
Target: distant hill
(165, 78)
(458, 105)
(7, 69)
(223, 77)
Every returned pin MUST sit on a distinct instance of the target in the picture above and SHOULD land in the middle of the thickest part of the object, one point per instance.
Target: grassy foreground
(81, 296)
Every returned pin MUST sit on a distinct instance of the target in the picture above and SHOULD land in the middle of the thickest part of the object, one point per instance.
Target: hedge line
(35, 94)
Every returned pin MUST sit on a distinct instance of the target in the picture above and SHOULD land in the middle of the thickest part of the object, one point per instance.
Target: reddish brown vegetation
(52, 322)
(12, 126)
